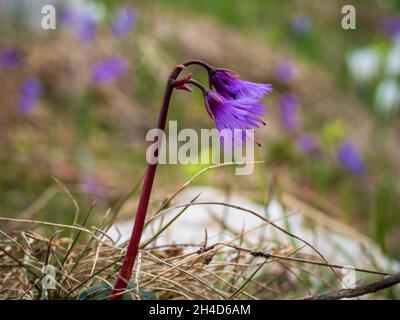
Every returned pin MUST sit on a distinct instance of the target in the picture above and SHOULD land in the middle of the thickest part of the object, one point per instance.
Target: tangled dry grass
(186, 271)
(85, 257)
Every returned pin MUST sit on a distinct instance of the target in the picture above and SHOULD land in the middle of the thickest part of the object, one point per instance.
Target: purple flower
(285, 71)
(108, 70)
(87, 28)
(31, 90)
(228, 84)
(83, 21)
(68, 16)
(349, 157)
(301, 25)
(391, 25)
(289, 107)
(307, 143)
(10, 58)
(91, 185)
(234, 116)
(124, 22)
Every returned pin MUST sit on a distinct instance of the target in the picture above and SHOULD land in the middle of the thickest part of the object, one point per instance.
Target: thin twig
(319, 263)
(359, 291)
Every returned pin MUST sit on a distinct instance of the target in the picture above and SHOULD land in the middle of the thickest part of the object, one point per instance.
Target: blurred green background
(92, 137)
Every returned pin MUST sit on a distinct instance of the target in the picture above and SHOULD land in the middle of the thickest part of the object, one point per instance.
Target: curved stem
(133, 246)
(198, 85)
(205, 65)
(210, 69)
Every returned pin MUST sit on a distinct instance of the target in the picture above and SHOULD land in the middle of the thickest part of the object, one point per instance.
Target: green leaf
(102, 291)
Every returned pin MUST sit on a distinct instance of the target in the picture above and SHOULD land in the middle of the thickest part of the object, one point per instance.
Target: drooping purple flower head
(307, 143)
(289, 109)
(301, 25)
(234, 116)
(124, 21)
(285, 71)
(10, 58)
(31, 90)
(350, 159)
(228, 84)
(108, 70)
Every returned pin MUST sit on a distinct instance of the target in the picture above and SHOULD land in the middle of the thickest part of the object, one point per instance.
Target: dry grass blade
(167, 225)
(207, 270)
(262, 218)
(245, 283)
(77, 235)
(198, 174)
(71, 197)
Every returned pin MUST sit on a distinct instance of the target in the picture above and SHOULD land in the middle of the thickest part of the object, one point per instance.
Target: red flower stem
(198, 85)
(133, 246)
(205, 65)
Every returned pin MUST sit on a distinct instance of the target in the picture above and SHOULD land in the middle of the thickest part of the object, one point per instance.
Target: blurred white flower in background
(363, 64)
(368, 64)
(393, 61)
(387, 96)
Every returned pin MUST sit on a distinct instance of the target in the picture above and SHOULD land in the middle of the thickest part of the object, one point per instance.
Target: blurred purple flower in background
(307, 143)
(31, 90)
(10, 58)
(108, 70)
(285, 71)
(289, 109)
(68, 16)
(124, 21)
(83, 17)
(231, 114)
(301, 25)
(228, 84)
(350, 159)
(391, 26)
(87, 29)
(92, 186)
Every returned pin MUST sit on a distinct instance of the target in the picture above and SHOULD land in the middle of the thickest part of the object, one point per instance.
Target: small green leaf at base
(102, 291)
